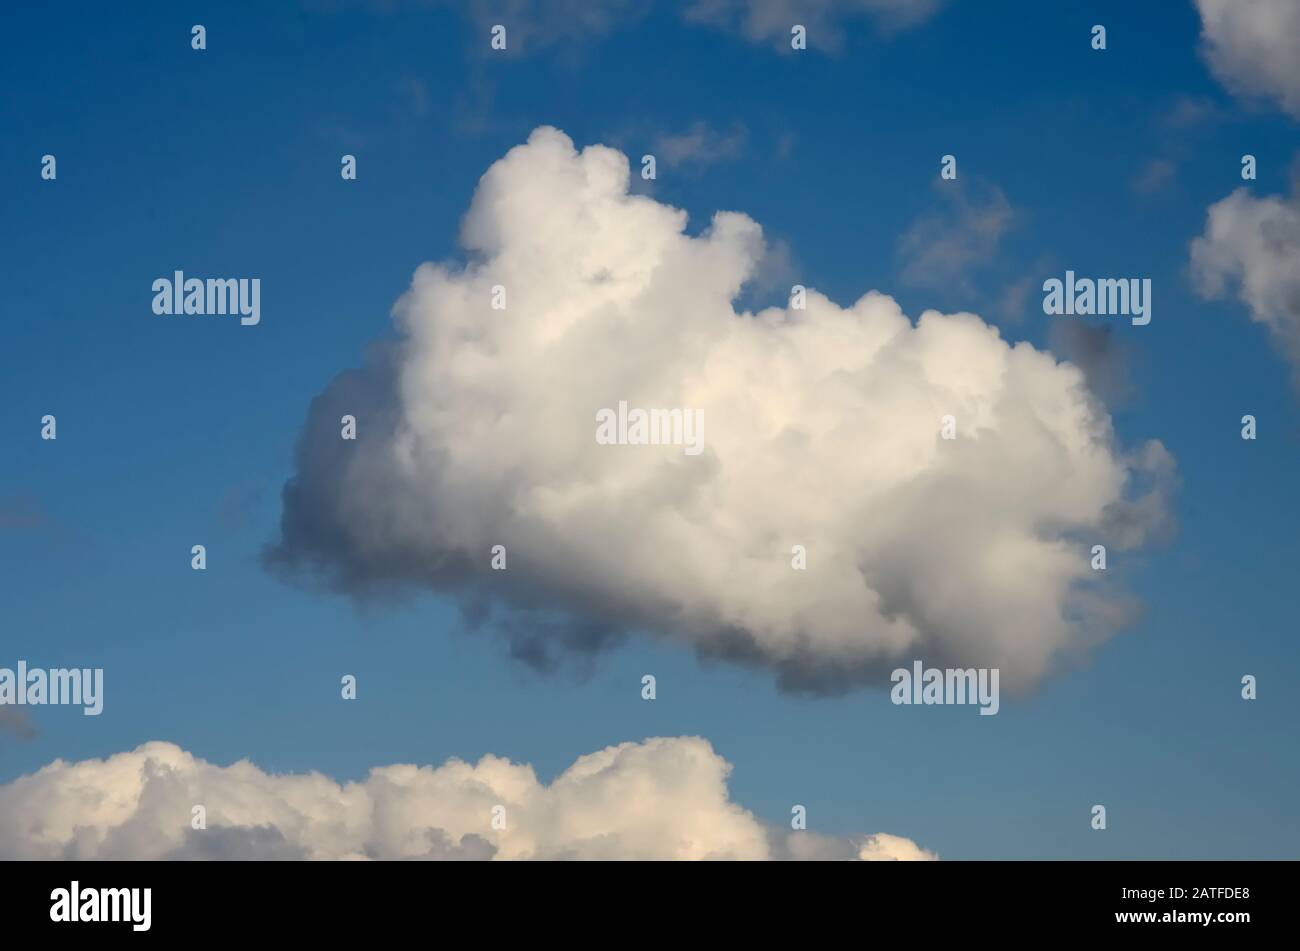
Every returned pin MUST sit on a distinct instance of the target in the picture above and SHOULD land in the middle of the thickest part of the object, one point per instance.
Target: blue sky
(174, 433)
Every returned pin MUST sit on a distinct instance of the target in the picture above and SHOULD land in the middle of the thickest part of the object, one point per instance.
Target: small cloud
(1154, 176)
(237, 505)
(808, 846)
(1013, 299)
(883, 847)
(1253, 245)
(700, 144)
(1190, 112)
(533, 25)
(827, 22)
(943, 247)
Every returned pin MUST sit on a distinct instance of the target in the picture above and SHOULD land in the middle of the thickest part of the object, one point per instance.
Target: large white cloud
(822, 429)
(664, 798)
(1254, 47)
(1253, 244)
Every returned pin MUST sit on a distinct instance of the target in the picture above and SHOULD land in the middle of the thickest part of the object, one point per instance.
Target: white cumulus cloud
(822, 428)
(1254, 47)
(664, 798)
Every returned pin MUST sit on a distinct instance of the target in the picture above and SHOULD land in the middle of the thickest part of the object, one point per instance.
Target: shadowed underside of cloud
(476, 428)
(1097, 350)
(1254, 244)
(664, 798)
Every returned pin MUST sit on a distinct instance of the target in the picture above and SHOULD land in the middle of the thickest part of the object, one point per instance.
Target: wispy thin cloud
(945, 246)
(700, 144)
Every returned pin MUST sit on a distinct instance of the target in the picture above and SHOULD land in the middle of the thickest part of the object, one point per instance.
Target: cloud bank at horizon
(663, 798)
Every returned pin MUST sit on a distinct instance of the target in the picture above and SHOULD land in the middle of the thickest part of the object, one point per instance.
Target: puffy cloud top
(822, 428)
(664, 798)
